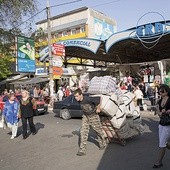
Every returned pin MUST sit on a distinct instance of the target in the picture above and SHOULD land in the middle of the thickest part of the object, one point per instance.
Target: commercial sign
(57, 62)
(89, 44)
(58, 49)
(25, 54)
(41, 71)
(102, 30)
(57, 71)
(150, 29)
(43, 53)
(148, 34)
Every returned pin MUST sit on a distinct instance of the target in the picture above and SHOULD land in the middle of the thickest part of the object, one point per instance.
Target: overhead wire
(66, 3)
(45, 9)
(106, 3)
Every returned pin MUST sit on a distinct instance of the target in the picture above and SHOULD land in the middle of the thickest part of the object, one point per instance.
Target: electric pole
(51, 82)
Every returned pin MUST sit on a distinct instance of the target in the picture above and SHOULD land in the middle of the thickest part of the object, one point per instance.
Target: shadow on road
(38, 126)
(139, 152)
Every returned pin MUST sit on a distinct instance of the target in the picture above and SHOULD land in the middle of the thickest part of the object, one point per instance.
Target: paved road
(56, 144)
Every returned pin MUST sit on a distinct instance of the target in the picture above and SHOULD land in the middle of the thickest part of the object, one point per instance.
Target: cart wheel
(123, 142)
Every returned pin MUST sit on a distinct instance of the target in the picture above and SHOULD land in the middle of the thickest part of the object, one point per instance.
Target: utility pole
(51, 82)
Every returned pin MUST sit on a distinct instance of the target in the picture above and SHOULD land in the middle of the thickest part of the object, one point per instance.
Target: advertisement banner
(58, 71)
(102, 30)
(25, 54)
(58, 49)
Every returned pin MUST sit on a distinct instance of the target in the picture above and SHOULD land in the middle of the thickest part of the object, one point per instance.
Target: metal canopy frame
(123, 52)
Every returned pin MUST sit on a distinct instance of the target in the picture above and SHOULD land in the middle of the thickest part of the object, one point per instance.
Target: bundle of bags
(119, 107)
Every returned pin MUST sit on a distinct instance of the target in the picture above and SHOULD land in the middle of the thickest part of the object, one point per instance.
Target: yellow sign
(56, 77)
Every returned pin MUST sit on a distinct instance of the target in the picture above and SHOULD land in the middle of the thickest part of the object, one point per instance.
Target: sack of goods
(109, 105)
(128, 99)
(102, 85)
(119, 118)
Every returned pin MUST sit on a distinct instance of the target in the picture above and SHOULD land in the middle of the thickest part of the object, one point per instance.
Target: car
(3, 98)
(40, 108)
(68, 108)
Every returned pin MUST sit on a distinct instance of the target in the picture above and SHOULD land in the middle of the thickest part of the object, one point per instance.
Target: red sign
(58, 49)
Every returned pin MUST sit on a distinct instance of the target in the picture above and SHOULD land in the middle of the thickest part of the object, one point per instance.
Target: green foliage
(12, 14)
(5, 63)
(13, 11)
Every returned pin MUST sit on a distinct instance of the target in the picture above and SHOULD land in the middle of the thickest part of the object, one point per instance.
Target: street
(55, 145)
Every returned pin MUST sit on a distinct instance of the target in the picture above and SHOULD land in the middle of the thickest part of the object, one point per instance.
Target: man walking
(91, 108)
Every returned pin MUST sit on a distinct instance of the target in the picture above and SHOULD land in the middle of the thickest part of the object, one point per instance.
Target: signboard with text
(25, 54)
(58, 49)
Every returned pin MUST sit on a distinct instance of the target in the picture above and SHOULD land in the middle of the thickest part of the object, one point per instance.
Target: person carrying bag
(164, 123)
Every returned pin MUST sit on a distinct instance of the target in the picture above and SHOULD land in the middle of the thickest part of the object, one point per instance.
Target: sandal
(157, 166)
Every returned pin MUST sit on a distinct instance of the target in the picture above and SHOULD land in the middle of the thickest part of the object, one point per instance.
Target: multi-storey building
(79, 23)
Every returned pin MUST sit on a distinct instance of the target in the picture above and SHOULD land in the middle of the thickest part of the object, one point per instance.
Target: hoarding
(25, 54)
(58, 49)
(102, 30)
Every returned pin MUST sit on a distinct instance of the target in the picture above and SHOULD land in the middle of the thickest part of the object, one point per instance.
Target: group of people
(15, 110)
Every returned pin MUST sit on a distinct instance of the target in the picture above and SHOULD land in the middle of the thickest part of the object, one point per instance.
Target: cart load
(121, 116)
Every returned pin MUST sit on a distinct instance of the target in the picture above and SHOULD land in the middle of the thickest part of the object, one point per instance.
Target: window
(59, 34)
(82, 29)
(77, 30)
(65, 33)
(73, 31)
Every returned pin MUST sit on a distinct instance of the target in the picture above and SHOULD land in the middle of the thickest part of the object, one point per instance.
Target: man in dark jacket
(91, 108)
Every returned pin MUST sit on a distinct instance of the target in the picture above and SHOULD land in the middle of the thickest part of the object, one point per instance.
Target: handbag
(165, 120)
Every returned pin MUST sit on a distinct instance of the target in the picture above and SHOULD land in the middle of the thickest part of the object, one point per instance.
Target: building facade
(79, 23)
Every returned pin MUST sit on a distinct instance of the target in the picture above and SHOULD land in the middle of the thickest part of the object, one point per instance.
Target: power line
(30, 18)
(45, 9)
(106, 3)
(61, 5)
(66, 3)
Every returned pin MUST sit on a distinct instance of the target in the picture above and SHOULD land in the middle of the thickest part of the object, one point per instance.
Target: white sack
(119, 119)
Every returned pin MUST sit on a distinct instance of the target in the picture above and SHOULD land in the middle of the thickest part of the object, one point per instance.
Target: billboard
(25, 54)
(102, 30)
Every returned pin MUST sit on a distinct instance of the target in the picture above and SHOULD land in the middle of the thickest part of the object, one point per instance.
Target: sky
(127, 13)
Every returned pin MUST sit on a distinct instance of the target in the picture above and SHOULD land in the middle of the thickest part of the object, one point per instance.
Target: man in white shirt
(139, 97)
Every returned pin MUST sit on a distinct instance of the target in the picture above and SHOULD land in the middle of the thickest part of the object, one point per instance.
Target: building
(79, 23)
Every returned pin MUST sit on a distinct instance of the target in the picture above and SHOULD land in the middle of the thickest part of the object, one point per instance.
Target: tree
(12, 14)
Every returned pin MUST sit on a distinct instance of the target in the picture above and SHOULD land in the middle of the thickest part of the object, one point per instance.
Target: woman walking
(11, 114)
(164, 130)
(26, 107)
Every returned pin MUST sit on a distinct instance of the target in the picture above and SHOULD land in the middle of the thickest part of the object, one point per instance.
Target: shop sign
(58, 49)
(89, 44)
(41, 71)
(58, 71)
(150, 29)
(57, 62)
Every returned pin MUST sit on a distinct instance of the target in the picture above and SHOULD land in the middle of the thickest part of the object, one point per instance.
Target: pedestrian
(164, 131)
(67, 91)
(26, 108)
(139, 97)
(91, 108)
(11, 114)
(60, 94)
(151, 96)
